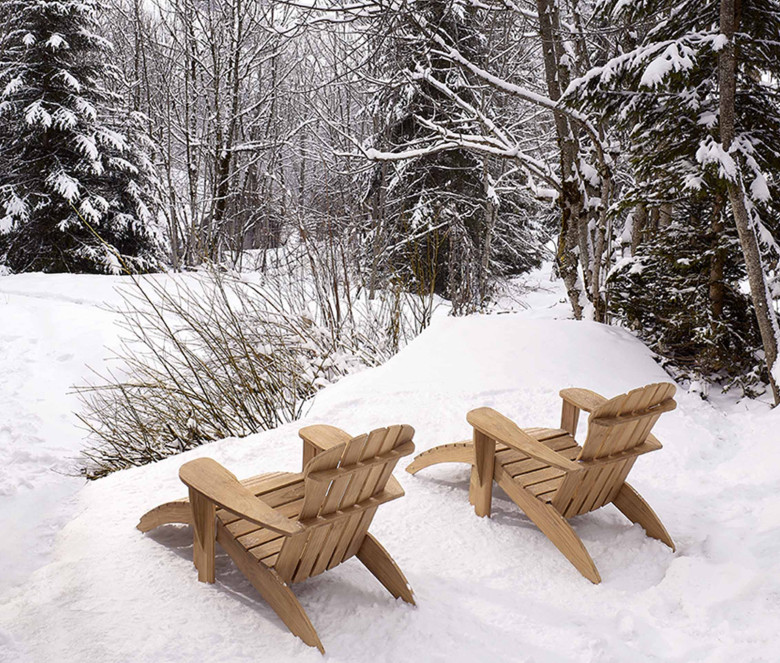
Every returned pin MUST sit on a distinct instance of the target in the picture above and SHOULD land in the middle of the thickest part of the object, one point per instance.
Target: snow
(719, 42)
(759, 189)
(13, 86)
(112, 138)
(711, 152)
(50, 328)
(15, 206)
(65, 185)
(708, 118)
(70, 80)
(65, 119)
(80, 583)
(83, 106)
(676, 57)
(86, 145)
(35, 113)
(56, 42)
(692, 182)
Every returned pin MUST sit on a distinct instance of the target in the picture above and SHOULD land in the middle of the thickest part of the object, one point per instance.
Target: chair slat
(620, 480)
(343, 480)
(398, 438)
(360, 533)
(343, 488)
(549, 486)
(329, 546)
(266, 549)
(352, 452)
(596, 480)
(240, 527)
(339, 553)
(539, 476)
(368, 477)
(263, 483)
(357, 477)
(567, 447)
(312, 550)
(281, 496)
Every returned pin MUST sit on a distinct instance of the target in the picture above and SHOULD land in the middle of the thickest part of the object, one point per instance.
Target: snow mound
(487, 589)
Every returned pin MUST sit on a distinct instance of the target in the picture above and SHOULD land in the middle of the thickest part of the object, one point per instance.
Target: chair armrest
(584, 399)
(207, 477)
(321, 437)
(498, 427)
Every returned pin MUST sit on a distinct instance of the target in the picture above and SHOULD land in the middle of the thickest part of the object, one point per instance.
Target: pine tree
(695, 318)
(449, 227)
(74, 176)
(665, 98)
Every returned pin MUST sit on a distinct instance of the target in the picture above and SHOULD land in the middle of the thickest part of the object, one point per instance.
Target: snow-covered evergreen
(74, 175)
(666, 292)
(663, 95)
(450, 221)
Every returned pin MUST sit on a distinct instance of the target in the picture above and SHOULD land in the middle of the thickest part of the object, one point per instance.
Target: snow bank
(487, 589)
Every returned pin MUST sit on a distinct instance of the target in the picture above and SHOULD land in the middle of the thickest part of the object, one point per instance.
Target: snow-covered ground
(80, 583)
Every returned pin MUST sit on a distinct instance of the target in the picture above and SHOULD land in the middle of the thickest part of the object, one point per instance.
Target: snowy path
(49, 331)
(489, 590)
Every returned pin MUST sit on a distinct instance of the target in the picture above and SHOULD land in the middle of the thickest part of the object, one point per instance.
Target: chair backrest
(618, 431)
(343, 488)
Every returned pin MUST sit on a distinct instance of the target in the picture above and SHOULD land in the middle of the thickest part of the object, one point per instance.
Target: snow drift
(487, 589)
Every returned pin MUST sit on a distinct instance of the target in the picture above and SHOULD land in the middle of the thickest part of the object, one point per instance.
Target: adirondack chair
(550, 477)
(282, 528)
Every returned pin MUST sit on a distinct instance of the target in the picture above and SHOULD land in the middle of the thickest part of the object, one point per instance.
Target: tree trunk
(571, 203)
(487, 242)
(665, 215)
(638, 227)
(717, 263)
(759, 290)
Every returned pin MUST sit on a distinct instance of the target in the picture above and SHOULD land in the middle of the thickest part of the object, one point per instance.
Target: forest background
(399, 153)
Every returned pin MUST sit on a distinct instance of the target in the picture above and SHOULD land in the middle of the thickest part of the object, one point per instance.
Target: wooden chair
(550, 477)
(282, 528)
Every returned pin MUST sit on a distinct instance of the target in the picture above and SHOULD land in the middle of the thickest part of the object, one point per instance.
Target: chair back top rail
(328, 475)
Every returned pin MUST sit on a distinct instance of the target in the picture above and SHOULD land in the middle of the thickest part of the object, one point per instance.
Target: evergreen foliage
(683, 289)
(665, 294)
(65, 144)
(663, 95)
(451, 227)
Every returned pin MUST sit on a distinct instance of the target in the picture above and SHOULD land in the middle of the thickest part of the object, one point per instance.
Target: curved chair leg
(377, 560)
(634, 507)
(177, 511)
(458, 452)
(272, 588)
(553, 525)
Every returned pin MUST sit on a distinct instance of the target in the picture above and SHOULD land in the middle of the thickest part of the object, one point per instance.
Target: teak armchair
(550, 477)
(282, 528)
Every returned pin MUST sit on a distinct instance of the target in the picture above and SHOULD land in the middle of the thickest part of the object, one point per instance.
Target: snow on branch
(658, 59)
(675, 57)
(65, 185)
(519, 91)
